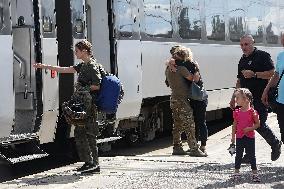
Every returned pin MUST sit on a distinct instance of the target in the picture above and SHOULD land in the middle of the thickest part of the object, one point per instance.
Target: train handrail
(21, 62)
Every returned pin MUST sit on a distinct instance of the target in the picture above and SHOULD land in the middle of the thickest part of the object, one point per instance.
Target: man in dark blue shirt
(255, 68)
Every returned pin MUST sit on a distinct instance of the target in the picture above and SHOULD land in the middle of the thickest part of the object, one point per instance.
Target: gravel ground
(159, 169)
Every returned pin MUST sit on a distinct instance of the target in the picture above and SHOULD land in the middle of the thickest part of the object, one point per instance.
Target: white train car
(131, 38)
(144, 31)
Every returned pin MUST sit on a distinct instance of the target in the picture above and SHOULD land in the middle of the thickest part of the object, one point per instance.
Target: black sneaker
(92, 169)
(276, 151)
(83, 167)
(89, 168)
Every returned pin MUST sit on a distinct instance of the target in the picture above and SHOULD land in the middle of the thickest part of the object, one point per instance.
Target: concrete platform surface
(159, 169)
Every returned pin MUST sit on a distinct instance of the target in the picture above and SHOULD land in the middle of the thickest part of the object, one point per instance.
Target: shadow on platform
(58, 178)
(267, 174)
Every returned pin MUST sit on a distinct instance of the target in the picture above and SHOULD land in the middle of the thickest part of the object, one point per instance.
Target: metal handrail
(21, 62)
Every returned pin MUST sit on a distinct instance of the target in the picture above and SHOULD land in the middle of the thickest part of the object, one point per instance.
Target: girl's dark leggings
(247, 144)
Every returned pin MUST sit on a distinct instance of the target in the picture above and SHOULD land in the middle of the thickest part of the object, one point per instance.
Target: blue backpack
(109, 95)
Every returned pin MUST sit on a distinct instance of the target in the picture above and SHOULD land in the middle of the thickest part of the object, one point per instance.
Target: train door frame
(7, 111)
(24, 75)
(98, 31)
(50, 79)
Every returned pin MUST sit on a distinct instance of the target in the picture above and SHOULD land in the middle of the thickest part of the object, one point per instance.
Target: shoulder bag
(273, 94)
(197, 92)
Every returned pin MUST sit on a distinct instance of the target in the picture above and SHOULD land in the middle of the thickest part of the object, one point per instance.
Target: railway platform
(157, 168)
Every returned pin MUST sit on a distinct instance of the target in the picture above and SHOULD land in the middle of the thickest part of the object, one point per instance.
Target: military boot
(197, 153)
(178, 150)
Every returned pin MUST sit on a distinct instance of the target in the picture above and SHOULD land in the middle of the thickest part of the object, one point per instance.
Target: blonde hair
(184, 53)
(174, 49)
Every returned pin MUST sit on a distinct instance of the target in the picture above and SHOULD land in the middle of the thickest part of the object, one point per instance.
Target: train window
(236, 20)
(1, 15)
(48, 18)
(254, 19)
(158, 19)
(5, 22)
(271, 21)
(189, 22)
(125, 20)
(215, 21)
(77, 11)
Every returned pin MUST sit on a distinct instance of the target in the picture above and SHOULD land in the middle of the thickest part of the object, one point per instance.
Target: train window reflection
(47, 24)
(5, 21)
(125, 18)
(79, 26)
(271, 22)
(48, 16)
(281, 20)
(78, 18)
(1, 15)
(158, 20)
(189, 21)
(215, 21)
(236, 20)
(254, 19)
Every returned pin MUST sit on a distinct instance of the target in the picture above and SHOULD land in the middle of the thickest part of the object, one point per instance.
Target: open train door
(78, 22)
(50, 79)
(22, 143)
(128, 55)
(6, 76)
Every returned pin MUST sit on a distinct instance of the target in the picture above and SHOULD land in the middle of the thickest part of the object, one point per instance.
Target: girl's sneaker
(255, 178)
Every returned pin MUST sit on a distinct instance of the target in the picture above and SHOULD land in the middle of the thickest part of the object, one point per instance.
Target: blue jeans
(249, 145)
(199, 114)
(264, 130)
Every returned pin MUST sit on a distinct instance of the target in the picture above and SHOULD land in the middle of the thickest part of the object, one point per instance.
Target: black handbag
(197, 92)
(273, 94)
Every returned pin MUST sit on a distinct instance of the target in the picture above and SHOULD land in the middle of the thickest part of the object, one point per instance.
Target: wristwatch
(255, 75)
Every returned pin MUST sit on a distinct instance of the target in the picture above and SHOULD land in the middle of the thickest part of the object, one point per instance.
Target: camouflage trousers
(183, 122)
(86, 136)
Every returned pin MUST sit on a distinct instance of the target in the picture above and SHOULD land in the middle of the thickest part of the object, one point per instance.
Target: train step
(17, 139)
(110, 139)
(15, 149)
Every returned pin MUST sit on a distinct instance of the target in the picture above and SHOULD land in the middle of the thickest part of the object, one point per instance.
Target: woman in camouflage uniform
(89, 79)
(176, 77)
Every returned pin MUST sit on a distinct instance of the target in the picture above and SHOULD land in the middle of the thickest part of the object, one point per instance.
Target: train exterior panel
(8, 103)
